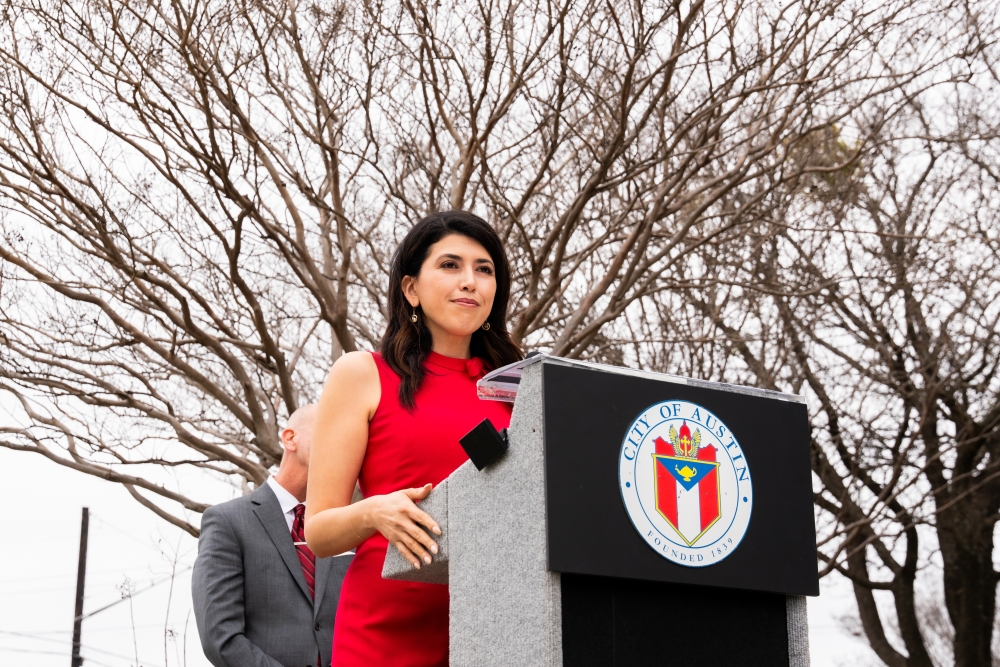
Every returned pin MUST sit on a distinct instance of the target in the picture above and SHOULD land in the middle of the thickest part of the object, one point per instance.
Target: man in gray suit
(261, 599)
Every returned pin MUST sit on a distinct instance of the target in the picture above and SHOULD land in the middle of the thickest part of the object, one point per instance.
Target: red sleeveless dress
(396, 623)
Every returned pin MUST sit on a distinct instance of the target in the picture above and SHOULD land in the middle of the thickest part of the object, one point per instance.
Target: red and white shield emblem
(687, 484)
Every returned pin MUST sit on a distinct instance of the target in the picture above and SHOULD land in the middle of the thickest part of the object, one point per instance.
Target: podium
(635, 519)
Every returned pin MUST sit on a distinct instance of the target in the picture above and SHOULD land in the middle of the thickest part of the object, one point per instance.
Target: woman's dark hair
(405, 345)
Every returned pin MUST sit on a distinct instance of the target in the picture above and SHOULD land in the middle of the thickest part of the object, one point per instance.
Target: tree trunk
(969, 582)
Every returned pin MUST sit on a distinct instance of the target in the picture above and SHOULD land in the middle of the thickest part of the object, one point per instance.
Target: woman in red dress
(392, 420)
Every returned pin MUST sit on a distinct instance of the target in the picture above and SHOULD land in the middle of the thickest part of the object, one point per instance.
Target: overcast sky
(129, 546)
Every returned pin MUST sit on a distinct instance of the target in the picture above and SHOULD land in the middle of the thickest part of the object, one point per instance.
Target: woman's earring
(486, 326)
(413, 317)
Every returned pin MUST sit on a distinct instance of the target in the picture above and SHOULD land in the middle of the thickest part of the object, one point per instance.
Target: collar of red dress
(473, 366)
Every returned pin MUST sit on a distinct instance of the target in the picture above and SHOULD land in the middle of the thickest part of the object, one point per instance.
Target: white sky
(40, 525)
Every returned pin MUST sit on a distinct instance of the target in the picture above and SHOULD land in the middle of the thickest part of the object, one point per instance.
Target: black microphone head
(484, 444)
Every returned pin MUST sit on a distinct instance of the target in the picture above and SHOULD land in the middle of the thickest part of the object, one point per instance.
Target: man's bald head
(296, 438)
(302, 420)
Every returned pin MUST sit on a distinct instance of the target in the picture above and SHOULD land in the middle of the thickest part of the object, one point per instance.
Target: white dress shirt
(287, 501)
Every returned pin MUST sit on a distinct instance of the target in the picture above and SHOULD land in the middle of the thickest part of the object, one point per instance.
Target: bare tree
(874, 288)
(901, 352)
(199, 199)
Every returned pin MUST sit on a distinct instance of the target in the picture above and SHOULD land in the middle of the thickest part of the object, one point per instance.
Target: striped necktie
(306, 556)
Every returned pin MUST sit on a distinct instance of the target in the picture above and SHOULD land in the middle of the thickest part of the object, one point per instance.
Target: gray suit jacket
(251, 601)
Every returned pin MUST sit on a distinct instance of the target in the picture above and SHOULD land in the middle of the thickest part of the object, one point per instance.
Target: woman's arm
(340, 437)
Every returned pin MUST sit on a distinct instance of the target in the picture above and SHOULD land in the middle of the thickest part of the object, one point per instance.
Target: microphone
(484, 444)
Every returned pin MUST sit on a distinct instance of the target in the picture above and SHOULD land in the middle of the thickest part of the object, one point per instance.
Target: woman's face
(455, 287)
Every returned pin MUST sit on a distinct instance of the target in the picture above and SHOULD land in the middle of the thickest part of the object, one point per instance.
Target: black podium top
(660, 478)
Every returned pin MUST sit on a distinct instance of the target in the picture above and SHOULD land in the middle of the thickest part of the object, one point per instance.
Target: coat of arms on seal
(685, 483)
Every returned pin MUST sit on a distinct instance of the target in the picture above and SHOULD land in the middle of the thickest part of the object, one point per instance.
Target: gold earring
(486, 326)
(413, 317)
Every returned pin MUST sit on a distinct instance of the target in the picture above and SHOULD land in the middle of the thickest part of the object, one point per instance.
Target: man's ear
(288, 440)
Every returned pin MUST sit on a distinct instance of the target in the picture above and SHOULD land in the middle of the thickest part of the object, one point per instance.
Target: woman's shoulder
(357, 365)
(355, 378)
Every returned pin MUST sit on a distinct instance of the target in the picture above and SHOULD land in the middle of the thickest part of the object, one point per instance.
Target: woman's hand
(398, 518)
